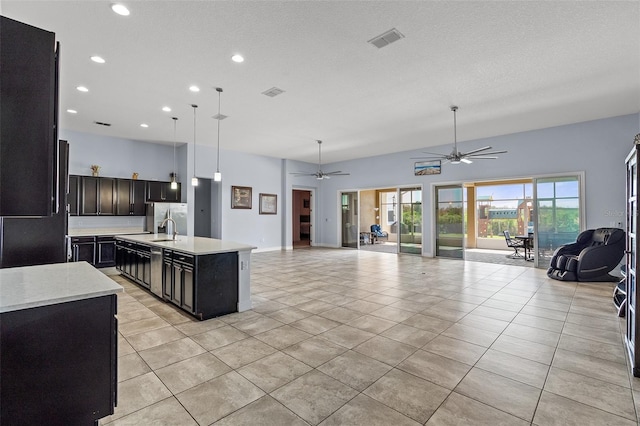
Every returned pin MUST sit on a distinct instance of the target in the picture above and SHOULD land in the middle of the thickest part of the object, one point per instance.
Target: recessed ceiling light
(120, 9)
(145, 125)
(166, 109)
(82, 89)
(194, 88)
(98, 59)
(237, 58)
(72, 111)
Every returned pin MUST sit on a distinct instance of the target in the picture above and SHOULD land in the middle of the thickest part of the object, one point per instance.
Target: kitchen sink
(160, 240)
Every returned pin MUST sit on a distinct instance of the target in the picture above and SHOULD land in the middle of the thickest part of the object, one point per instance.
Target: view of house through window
(503, 207)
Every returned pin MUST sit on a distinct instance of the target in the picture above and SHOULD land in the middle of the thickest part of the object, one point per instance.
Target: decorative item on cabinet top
(135, 175)
(95, 170)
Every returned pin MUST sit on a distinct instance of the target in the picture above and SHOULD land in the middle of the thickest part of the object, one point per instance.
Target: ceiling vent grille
(273, 92)
(100, 123)
(387, 38)
(220, 117)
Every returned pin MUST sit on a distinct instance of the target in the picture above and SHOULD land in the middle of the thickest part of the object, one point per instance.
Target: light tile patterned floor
(345, 337)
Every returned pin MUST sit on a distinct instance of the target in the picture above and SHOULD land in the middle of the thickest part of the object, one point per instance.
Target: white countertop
(191, 245)
(89, 232)
(33, 286)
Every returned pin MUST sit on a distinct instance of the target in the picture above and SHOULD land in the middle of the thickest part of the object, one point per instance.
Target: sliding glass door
(450, 221)
(558, 214)
(349, 205)
(410, 224)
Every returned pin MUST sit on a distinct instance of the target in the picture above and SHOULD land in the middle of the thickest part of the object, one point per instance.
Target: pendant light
(174, 184)
(217, 176)
(194, 179)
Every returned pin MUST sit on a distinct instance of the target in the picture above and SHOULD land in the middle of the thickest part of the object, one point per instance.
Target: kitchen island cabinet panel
(59, 363)
(58, 345)
(203, 276)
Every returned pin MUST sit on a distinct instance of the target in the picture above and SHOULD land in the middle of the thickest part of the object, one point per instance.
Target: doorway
(301, 218)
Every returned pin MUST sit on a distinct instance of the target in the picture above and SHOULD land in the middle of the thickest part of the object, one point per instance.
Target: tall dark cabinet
(28, 120)
(633, 324)
(26, 241)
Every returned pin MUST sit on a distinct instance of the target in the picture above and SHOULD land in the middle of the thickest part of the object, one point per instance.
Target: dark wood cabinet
(88, 196)
(28, 120)
(107, 196)
(130, 197)
(73, 195)
(138, 197)
(632, 338)
(105, 252)
(91, 196)
(161, 191)
(59, 363)
(134, 261)
(179, 279)
(123, 196)
(97, 196)
(83, 249)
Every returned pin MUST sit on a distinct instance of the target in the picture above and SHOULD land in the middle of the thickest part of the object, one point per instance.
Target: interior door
(410, 224)
(449, 221)
(558, 215)
(349, 206)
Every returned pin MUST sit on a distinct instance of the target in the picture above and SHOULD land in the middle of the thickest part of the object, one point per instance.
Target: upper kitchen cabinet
(131, 197)
(161, 191)
(97, 196)
(28, 120)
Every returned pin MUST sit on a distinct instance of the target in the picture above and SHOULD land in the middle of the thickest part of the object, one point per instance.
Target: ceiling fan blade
(475, 150)
(434, 153)
(483, 158)
(486, 153)
(435, 157)
(338, 173)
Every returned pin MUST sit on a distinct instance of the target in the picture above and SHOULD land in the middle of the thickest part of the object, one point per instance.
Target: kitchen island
(206, 277)
(58, 344)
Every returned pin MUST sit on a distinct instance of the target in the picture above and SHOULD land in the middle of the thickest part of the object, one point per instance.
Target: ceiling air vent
(387, 38)
(273, 92)
(100, 123)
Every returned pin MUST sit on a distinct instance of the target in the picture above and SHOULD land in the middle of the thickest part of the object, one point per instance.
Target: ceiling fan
(320, 174)
(457, 157)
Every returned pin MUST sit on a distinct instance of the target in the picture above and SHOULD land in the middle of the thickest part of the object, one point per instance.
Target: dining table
(527, 244)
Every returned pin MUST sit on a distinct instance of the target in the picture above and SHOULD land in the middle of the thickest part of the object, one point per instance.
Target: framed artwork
(240, 197)
(421, 168)
(268, 204)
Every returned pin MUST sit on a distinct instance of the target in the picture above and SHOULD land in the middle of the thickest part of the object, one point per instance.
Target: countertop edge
(146, 239)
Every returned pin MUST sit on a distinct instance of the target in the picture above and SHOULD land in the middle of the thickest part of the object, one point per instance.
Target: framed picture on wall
(240, 197)
(421, 168)
(268, 204)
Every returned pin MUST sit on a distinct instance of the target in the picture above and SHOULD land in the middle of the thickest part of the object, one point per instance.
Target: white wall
(597, 147)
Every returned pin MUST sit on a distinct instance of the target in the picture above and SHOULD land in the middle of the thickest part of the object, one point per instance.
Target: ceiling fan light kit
(457, 157)
(320, 175)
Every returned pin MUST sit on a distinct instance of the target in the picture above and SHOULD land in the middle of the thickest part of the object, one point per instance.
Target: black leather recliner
(595, 253)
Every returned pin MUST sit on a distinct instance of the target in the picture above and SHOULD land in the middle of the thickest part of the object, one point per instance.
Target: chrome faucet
(164, 222)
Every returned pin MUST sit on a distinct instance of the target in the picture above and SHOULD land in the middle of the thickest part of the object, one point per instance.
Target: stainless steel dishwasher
(156, 271)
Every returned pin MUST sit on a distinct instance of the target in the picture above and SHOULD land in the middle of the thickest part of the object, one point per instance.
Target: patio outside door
(410, 224)
(450, 221)
(349, 206)
(558, 214)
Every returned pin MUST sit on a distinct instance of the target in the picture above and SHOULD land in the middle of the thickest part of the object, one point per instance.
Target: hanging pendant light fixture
(194, 179)
(217, 176)
(174, 184)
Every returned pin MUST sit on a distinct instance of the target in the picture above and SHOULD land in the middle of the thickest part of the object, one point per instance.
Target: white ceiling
(510, 66)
